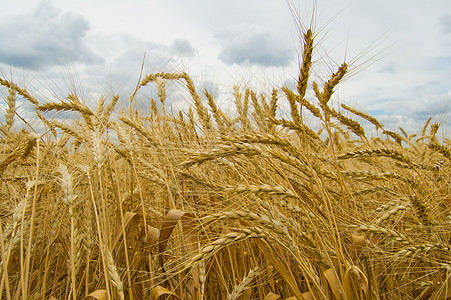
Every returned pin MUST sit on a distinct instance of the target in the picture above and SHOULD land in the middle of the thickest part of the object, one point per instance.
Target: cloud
(45, 38)
(390, 67)
(123, 55)
(245, 43)
(445, 23)
(427, 88)
(183, 46)
(411, 115)
(124, 51)
(432, 105)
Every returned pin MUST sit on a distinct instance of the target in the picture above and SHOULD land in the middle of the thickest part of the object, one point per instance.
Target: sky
(399, 52)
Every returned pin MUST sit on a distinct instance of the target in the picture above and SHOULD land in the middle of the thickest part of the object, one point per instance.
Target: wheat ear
(294, 109)
(113, 275)
(223, 151)
(153, 77)
(259, 189)
(12, 232)
(244, 284)
(352, 125)
(68, 129)
(202, 112)
(394, 135)
(381, 230)
(377, 152)
(441, 247)
(67, 106)
(421, 210)
(306, 63)
(332, 83)
(224, 241)
(442, 149)
(11, 109)
(367, 117)
(68, 199)
(217, 113)
(20, 91)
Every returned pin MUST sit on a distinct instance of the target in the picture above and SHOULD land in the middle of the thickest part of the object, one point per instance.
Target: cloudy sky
(400, 51)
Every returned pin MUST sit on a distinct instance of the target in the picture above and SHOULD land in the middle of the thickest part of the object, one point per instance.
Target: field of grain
(125, 203)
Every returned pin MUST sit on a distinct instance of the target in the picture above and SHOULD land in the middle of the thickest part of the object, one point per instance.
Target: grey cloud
(126, 50)
(430, 86)
(253, 44)
(45, 38)
(135, 44)
(183, 46)
(445, 23)
(390, 67)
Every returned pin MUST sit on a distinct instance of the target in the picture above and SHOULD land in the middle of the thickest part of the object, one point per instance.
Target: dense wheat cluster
(134, 204)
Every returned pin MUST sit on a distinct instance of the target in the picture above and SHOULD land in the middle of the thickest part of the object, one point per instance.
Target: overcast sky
(405, 78)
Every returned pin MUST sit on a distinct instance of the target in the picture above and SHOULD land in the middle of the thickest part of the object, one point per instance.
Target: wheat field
(125, 203)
